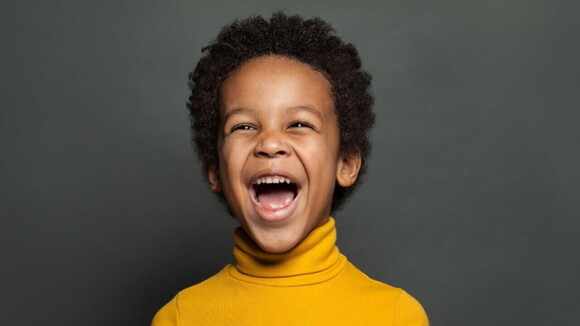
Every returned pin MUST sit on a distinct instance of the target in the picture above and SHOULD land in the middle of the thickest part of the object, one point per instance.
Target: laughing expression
(278, 150)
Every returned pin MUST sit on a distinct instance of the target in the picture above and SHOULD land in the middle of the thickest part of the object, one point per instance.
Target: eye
(300, 124)
(242, 127)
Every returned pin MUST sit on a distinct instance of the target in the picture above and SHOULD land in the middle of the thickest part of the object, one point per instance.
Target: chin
(276, 242)
(278, 248)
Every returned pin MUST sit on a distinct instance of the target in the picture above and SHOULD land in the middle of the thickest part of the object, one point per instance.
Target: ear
(212, 174)
(347, 168)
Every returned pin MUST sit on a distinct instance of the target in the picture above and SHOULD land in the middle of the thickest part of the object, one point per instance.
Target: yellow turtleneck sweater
(312, 284)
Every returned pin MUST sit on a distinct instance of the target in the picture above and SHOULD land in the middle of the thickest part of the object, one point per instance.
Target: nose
(271, 145)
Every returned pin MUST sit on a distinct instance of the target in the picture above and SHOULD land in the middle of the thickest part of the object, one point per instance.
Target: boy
(280, 115)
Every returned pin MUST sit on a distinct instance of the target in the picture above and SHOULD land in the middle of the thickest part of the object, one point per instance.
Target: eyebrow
(236, 111)
(288, 110)
(294, 109)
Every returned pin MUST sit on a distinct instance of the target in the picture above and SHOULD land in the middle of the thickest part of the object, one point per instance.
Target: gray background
(470, 203)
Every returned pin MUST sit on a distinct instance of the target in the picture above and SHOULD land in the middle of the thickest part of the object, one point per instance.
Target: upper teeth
(273, 180)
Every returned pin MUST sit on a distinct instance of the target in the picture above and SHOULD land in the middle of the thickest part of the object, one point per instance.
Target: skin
(277, 117)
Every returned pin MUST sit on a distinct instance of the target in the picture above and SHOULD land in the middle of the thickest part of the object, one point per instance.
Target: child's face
(277, 121)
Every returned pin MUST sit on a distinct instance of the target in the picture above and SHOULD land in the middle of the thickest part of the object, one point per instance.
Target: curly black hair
(310, 41)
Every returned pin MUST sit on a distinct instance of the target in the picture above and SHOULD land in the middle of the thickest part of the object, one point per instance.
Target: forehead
(275, 81)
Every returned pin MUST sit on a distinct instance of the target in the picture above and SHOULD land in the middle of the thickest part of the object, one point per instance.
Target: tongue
(276, 198)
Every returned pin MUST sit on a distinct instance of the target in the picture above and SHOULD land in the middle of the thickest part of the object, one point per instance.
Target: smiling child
(280, 114)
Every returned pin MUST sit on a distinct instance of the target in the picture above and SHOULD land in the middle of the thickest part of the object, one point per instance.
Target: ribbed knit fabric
(313, 284)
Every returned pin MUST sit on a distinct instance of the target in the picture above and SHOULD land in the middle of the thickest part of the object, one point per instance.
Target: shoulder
(207, 295)
(393, 301)
(199, 295)
(168, 315)
(409, 311)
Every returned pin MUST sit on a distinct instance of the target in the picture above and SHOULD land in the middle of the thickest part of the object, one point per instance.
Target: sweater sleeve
(410, 312)
(168, 315)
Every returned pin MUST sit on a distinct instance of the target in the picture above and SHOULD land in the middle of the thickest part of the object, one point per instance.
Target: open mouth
(274, 192)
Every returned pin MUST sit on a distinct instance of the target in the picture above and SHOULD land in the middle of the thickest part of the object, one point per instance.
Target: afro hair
(310, 41)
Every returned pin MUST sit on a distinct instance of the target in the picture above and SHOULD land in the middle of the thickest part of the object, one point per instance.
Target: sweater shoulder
(367, 284)
(205, 289)
(400, 306)
(190, 300)
(409, 311)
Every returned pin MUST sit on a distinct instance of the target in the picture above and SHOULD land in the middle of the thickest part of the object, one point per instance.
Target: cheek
(233, 155)
(320, 158)
(225, 159)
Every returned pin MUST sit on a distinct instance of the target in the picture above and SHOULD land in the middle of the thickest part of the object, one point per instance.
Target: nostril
(263, 154)
(272, 145)
(272, 154)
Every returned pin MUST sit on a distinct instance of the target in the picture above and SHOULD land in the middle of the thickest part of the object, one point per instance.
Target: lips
(274, 196)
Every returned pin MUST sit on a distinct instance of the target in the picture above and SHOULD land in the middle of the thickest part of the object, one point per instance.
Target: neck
(314, 259)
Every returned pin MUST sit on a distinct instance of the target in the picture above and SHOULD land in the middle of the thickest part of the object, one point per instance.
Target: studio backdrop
(470, 202)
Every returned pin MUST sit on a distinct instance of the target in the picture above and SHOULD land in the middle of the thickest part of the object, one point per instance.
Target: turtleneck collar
(314, 260)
